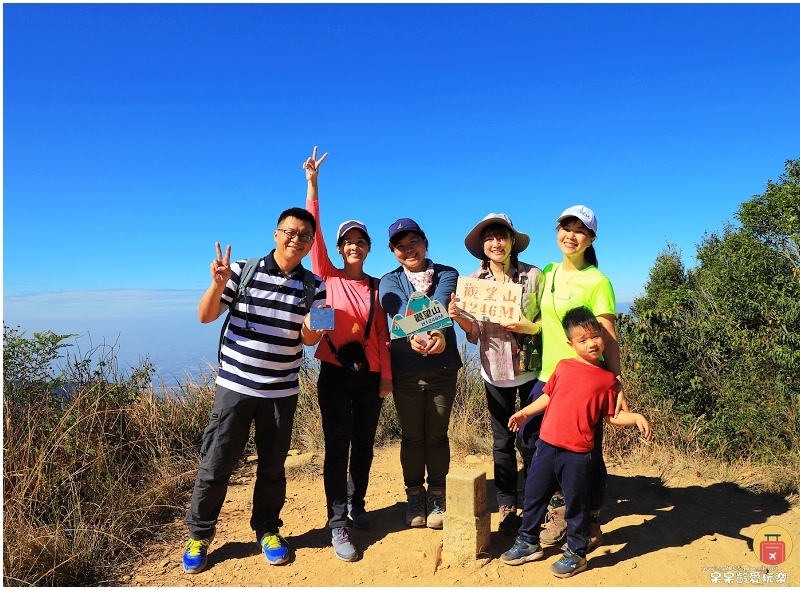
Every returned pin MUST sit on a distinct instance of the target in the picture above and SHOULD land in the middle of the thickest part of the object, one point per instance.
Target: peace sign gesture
(221, 267)
(312, 166)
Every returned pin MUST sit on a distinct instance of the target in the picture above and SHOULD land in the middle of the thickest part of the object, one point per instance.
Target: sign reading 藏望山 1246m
(489, 301)
(422, 315)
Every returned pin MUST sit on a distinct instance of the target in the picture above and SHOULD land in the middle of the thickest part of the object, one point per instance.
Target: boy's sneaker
(568, 565)
(437, 504)
(359, 516)
(195, 556)
(554, 529)
(415, 515)
(509, 521)
(522, 552)
(275, 548)
(343, 544)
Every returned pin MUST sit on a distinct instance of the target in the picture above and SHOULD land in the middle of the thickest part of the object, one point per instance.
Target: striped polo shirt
(261, 351)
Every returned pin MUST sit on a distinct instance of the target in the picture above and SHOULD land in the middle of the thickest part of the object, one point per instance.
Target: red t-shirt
(580, 396)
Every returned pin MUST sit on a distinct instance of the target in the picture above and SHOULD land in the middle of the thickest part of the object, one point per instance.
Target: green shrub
(716, 349)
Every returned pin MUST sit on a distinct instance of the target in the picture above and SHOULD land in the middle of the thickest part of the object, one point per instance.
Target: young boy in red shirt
(579, 394)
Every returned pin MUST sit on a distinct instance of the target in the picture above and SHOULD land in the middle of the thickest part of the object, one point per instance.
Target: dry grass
(90, 477)
(676, 452)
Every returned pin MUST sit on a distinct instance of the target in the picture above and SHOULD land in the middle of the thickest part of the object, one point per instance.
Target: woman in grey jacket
(424, 368)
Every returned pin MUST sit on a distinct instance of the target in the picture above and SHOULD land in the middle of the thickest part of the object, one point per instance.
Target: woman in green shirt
(573, 282)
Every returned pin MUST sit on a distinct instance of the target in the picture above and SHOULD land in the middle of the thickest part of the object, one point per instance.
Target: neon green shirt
(587, 287)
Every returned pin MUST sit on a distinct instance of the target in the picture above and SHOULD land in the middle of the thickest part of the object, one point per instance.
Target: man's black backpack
(248, 270)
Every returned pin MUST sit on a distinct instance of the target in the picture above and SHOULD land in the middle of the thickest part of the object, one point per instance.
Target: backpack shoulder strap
(248, 270)
(309, 288)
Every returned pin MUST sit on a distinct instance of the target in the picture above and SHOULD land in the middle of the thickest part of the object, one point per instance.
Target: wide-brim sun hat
(583, 213)
(473, 240)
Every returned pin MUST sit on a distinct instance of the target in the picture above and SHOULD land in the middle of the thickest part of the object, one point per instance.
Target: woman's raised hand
(312, 165)
(221, 267)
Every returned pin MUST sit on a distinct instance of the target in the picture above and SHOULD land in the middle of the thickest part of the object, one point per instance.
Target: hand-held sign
(312, 165)
(221, 267)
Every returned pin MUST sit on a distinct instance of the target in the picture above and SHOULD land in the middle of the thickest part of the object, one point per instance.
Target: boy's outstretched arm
(518, 418)
(632, 419)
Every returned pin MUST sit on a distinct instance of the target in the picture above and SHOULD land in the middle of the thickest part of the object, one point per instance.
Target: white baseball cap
(583, 213)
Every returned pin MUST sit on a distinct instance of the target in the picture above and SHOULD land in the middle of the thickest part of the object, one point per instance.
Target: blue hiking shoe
(275, 548)
(195, 556)
(522, 552)
(343, 544)
(568, 565)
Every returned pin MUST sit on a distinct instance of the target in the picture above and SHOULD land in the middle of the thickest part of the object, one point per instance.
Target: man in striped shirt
(257, 382)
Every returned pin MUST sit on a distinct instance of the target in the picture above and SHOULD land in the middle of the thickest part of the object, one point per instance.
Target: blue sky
(137, 135)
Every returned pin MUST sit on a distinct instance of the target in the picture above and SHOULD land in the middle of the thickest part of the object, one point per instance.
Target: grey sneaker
(568, 565)
(509, 521)
(415, 515)
(359, 516)
(343, 544)
(554, 529)
(437, 504)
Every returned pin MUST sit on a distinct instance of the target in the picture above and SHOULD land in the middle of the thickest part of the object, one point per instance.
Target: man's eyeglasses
(291, 234)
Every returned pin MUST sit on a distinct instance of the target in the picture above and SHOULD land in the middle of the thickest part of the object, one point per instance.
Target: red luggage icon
(773, 551)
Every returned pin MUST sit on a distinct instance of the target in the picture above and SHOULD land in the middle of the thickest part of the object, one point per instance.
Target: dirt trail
(673, 534)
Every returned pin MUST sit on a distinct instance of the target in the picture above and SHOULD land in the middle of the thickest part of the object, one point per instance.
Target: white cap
(583, 213)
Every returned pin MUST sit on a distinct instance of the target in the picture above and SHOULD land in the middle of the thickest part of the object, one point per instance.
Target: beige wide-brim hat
(473, 240)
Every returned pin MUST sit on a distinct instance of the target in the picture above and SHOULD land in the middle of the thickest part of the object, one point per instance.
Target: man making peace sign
(261, 352)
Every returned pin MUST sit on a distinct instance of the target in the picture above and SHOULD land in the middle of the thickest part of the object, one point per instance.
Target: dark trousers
(501, 402)
(553, 468)
(224, 440)
(529, 434)
(350, 408)
(424, 401)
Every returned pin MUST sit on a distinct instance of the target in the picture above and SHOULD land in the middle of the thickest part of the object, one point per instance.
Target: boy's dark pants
(224, 441)
(551, 468)
(529, 434)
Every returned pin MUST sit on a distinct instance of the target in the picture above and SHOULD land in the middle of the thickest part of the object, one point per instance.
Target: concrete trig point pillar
(467, 524)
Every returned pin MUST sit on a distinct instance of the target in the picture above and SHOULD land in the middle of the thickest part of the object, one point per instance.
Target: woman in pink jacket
(354, 379)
